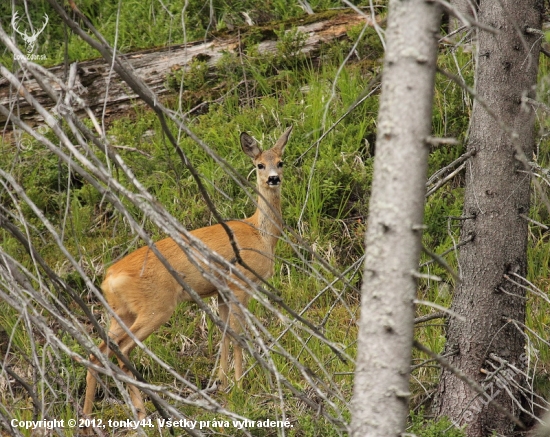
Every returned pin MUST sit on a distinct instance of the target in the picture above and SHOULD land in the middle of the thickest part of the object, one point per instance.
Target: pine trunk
(393, 239)
(496, 197)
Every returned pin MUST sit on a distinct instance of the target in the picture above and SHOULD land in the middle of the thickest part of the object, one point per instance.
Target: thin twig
(132, 149)
(470, 382)
(439, 258)
(428, 317)
(442, 171)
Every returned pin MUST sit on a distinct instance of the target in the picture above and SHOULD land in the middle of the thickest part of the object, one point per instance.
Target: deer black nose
(273, 180)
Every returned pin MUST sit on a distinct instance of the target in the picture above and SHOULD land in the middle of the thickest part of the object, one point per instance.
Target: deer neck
(268, 218)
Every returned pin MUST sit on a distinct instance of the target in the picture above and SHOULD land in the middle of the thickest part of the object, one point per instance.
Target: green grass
(338, 188)
(325, 200)
(421, 426)
(136, 24)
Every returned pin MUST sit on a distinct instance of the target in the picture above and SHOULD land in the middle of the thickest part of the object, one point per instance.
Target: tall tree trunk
(464, 7)
(497, 194)
(381, 391)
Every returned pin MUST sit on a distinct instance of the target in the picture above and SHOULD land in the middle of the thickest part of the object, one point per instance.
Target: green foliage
(333, 186)
(136, 24)
(289, 45)
(422, 427)
(193, 79)
(325, 192)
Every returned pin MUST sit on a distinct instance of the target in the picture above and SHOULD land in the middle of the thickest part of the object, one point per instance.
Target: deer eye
(261, 166)
(280, 164)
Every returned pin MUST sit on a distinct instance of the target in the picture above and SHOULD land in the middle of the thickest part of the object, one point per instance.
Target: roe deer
(144, 294)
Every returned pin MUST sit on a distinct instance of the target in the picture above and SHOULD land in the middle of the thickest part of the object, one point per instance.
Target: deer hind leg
(115, 332)
(232, 316)
(144, 325)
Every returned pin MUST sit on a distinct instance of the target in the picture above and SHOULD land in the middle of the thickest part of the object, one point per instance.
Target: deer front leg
(232, 316)
(223, 310)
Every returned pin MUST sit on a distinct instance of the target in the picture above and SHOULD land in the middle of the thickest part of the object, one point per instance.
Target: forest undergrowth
(328, 171)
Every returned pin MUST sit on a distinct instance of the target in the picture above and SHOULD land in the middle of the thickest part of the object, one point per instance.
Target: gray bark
(381, 390)
(497, 193)
(465, 8)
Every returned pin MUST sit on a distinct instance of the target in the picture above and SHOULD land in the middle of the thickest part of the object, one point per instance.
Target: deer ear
(250, 146)
(281, 142)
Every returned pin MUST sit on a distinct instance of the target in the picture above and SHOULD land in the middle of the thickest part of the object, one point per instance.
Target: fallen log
(102, 90)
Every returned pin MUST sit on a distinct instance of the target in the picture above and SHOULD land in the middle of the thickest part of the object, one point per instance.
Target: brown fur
(144, 294)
